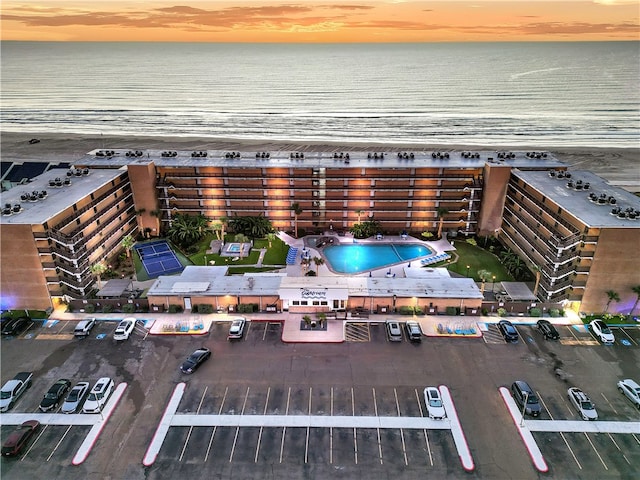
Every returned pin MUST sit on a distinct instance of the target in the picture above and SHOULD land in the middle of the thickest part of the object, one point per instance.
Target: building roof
(577, 202)
(437, 285)
(220, 158)
(57, 199)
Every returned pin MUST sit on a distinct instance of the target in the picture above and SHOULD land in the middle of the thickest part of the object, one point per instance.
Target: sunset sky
(318, 21)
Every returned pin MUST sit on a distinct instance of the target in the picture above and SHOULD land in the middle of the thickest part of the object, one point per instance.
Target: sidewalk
(199, 324)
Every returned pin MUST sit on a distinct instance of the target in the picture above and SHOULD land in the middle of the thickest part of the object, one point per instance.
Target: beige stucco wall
(143, 186)
(496, 179)
(616, 266)
(22, 280)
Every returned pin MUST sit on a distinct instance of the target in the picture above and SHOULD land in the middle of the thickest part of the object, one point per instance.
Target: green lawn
(477, 259)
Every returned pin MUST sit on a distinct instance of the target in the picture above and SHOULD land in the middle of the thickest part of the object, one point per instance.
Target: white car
(236, 330)
(98, 396)
(631, 390)
(124, 329)
(582, 403)
(602, 331)
(433, 400)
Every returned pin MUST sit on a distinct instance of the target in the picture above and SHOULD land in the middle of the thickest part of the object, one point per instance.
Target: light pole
(468, 267)
(493, 286)
(205, 261)
(524, 407)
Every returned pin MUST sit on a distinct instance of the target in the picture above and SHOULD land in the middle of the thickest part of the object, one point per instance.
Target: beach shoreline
(619, 166)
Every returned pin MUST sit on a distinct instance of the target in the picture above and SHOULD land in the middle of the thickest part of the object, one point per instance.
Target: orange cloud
(308, 21)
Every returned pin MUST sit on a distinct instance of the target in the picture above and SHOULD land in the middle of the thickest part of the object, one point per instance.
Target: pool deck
(397, 270)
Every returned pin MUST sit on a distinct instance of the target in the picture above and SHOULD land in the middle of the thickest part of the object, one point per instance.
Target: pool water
(358, 258)
(233, 247)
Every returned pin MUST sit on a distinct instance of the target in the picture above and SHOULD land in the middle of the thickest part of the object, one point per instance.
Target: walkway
(172, 419)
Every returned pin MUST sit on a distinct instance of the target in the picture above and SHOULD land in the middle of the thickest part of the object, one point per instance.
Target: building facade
(54, 228)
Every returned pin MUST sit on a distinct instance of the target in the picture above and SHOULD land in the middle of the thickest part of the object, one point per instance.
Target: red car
(19, 438)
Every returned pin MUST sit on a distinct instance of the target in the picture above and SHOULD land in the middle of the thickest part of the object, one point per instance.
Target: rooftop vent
(169, 154)
(199, 154)
(105, 153)
(232, 155)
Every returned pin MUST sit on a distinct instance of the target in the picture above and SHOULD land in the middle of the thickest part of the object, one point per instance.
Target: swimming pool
(233, 247)
(358, 258)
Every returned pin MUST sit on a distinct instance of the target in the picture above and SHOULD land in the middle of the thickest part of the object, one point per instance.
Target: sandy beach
(619, 167)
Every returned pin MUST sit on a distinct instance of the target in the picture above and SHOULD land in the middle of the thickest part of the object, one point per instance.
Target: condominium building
(526, 199)
(55, 227)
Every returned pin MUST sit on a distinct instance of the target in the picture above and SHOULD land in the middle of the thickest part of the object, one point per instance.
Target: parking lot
(260, 375)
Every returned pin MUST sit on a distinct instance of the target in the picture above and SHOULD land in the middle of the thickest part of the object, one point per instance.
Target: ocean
(535, 94)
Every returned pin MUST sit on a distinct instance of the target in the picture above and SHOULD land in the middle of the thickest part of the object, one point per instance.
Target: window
(316, 303)
(296, 302)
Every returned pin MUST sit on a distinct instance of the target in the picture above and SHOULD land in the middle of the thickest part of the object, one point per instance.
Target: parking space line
(426, 438)
(33, 444)
(161, 430)
(266, 326)
(186, 442)
(607, 400)
(284, 429)
(255, 460)
(213, 433)
(404, 449)
(561, 434)
(619, 449)
(355, 437)
(246, 335)
(594, 449)
(235, 438)
(306, 443)
(629, 336)
(375, 411)
(59, 442)
(637, 440)
(331, 432)
(573, 334)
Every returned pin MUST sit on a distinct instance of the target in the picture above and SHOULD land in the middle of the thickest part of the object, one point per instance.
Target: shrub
(535, 312)
(405, 310)
(485, 312)
(175, 308)
(311, 273)
(554, 312)
(205, 308)
(452, 311)
(502, 312)
(128, 308)
(418, 311)
(89, 308)
(562, 312)
(107, 309)
(194, 308)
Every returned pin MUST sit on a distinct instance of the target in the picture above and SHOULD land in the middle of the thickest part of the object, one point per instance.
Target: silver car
(394, 334)
(582, 403)
(76, 397)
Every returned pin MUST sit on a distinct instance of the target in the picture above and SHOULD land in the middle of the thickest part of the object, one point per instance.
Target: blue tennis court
(158, 259)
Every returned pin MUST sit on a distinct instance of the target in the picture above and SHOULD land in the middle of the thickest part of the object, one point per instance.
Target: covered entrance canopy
(116, 288)
(517, 292)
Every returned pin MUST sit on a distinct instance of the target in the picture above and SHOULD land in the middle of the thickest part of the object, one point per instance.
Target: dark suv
(523, 394)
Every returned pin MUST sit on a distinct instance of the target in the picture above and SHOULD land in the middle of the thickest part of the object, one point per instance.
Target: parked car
(54, 395)
(83, 328)
(508, 331)
(17, 439)
(526, 398)
(236, 330)
(582, 403)
(546, 328)
(394, 334)
(602, 331)
(15, 326)
(98, 396)
(414, 332)
(196, 359)
(76, 396)
(124, 329)
(631, 390)
(433, 401)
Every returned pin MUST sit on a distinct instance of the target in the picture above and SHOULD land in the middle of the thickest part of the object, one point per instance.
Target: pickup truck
(12, 390)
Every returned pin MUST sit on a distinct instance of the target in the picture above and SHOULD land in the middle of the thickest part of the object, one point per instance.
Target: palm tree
(127, 243)
(318, 261)
(98, 269)
(484, 275)
(295, 208)
(305, 262)
(635, 290)
(359, 212)
(613, 297)
(271, 237)
(216, 226)
(536, 270)
(441, 213)
(223, 220)
(427, 235)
